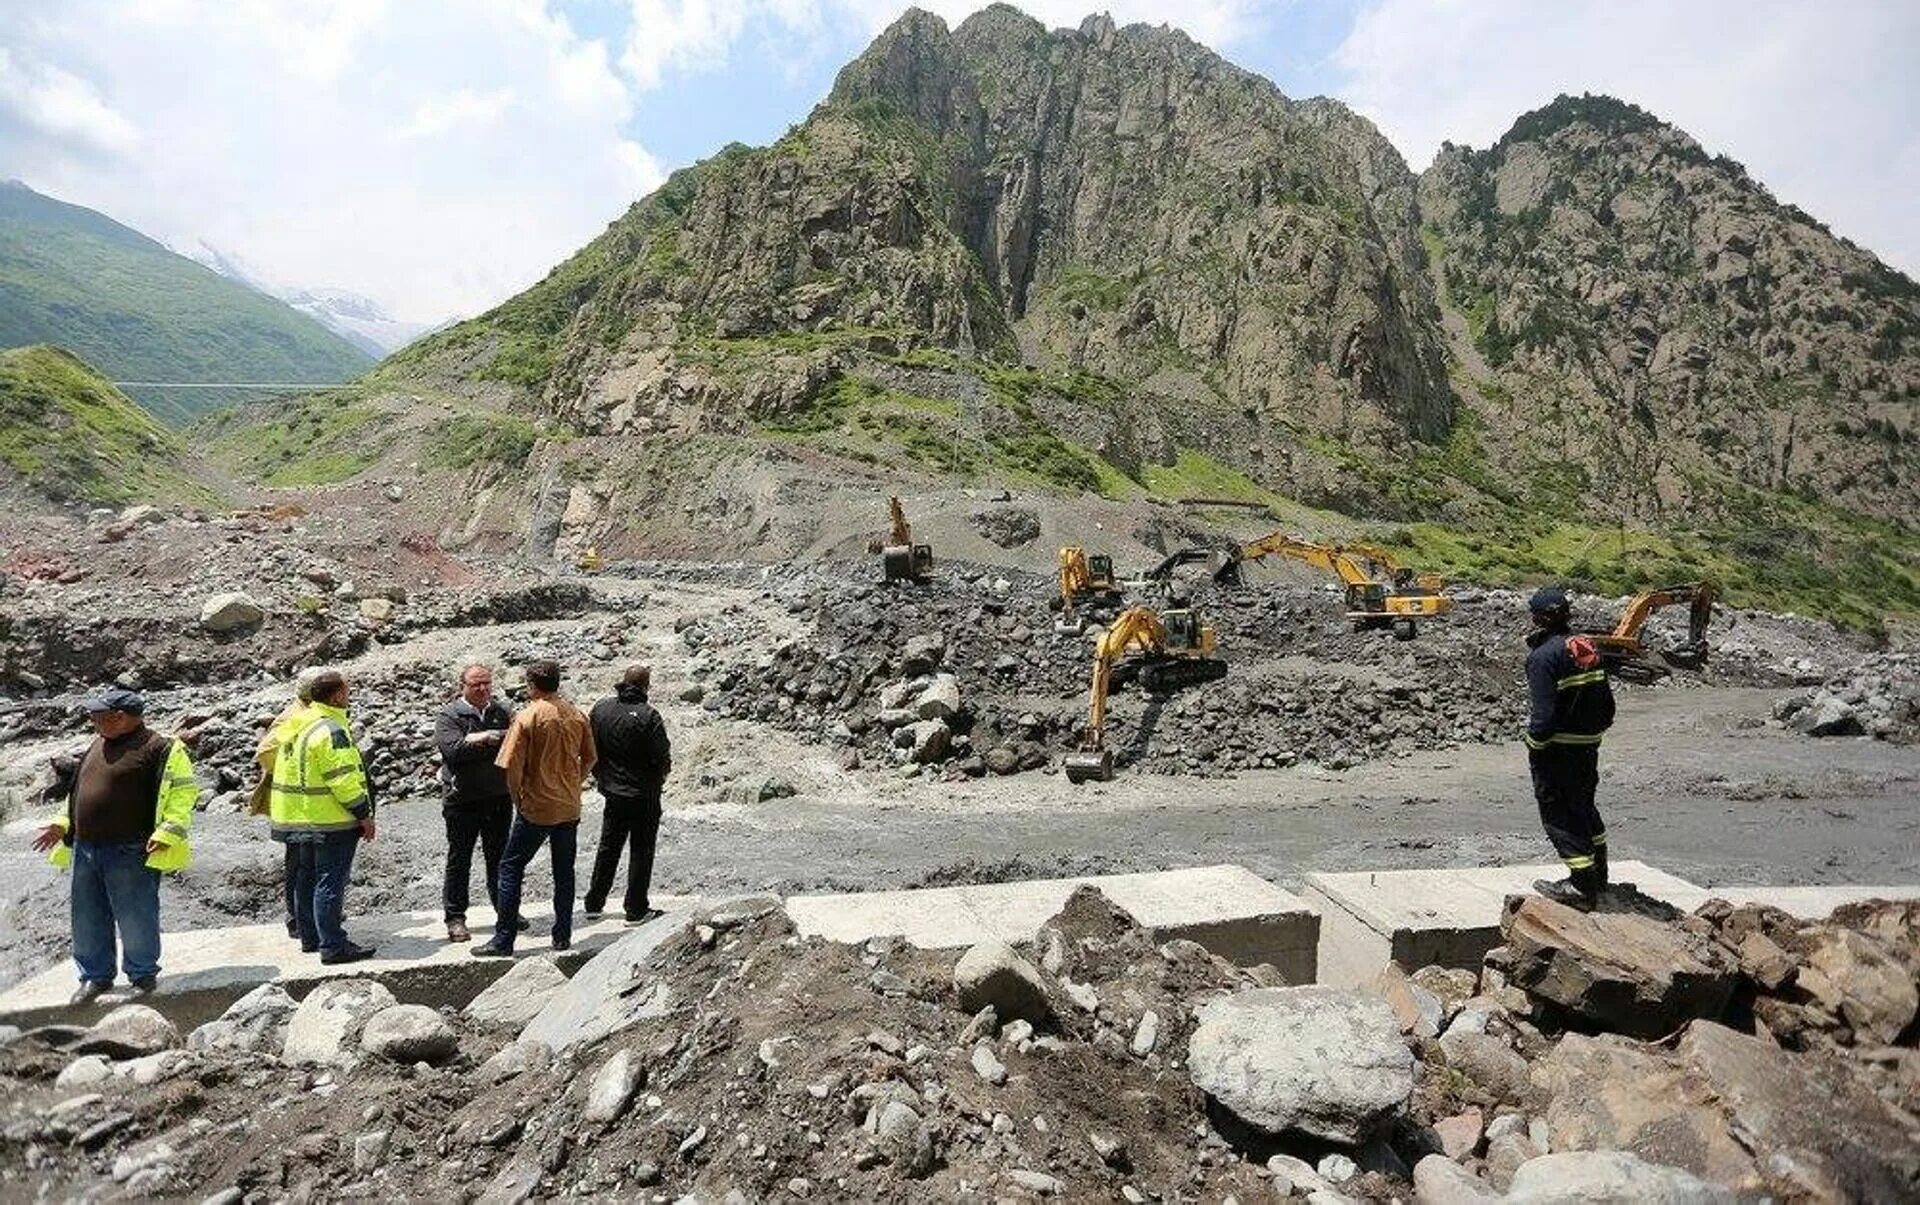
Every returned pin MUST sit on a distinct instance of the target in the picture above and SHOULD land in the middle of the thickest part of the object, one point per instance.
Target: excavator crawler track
(1177, 673)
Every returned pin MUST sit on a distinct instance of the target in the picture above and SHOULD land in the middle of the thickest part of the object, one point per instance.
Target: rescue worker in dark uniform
(1572, 705)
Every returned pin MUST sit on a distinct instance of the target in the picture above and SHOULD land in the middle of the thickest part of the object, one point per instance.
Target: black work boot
(1600, 883)
(1572, 891)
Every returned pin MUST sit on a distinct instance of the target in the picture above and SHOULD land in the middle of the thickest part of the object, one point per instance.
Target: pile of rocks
(1878, 697)
(720, 1056)
(1301, 686)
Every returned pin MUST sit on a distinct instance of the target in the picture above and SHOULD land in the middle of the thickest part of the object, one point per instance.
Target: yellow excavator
(901, 560)
(590, 560)
(1384, 565)
(1371, 603)
(1164, 650)
(1086, 581)
(1627, 657)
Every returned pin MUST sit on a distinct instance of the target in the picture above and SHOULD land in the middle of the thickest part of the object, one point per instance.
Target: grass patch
(71, 435)
(1197, 475)
(313, 439)
(472, 439)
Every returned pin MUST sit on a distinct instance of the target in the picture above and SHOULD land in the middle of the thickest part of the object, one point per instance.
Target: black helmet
(1550, 600)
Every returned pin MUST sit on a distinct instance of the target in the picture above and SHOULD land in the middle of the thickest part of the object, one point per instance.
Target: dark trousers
(321, 870)
(291, 870)
(635, 824)
(524, 839)
(1564, 780)
(487, 822)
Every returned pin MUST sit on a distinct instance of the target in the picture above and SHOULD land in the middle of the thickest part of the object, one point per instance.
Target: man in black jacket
(635, 757)
(478, 807)
(1572, 705)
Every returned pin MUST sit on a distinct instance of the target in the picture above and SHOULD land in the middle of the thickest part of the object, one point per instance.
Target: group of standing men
(512, 782)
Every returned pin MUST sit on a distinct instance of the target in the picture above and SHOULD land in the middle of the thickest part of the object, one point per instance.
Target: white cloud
(462, 108)
(1818, 100)
(435, 155)
(669, 35)
(58, 104)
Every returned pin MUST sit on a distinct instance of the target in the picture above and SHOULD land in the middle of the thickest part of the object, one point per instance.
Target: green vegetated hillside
(138, 312)
(70, 436)
(1105, 259)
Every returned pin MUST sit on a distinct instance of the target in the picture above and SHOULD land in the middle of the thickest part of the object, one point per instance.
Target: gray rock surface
(612, 991)
(1597, 1177)
(256, 1021)
(518, 996)
(230, 612)
(409, 1033)
(324, 1027)
(1326, 1062)
(1438, 1180)
(613, 1087)
(992, 973)
(129, 1031)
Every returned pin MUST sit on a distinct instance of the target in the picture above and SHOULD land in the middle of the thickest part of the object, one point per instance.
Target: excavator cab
(902, 560)
(906, 562)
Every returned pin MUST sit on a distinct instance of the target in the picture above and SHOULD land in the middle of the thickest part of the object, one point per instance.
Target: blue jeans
(114, 888)
(320, 871)
(523, 841)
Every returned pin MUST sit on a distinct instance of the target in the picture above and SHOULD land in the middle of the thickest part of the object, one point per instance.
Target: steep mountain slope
(71, 276)
(1107, 260)
(1657, 313)
(1119, 206)
(68, 435)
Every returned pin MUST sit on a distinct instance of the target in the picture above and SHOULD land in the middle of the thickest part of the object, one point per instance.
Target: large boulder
(930, 740)
(991, 973)
(323, 1028)
(1598, 1177)
(1322, 1061)
(128, 1032)
(613, 1087)
(409, 1033)
(230, 612)
(923, 654)
(255, 1022)
(616, 988)
(1731, 1109)
(1621, 971)
(940, 700)
(518, 996)
(1857, 978)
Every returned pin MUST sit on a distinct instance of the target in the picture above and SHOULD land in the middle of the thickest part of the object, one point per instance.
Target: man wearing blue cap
(1572, 705)
(128, 807)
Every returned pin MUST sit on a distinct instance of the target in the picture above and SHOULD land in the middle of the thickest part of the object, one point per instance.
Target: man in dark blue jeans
(322, 865)
(546, 753)
(113, 887)
(130, 798)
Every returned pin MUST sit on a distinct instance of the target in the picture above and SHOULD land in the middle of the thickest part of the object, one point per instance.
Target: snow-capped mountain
(354, 317)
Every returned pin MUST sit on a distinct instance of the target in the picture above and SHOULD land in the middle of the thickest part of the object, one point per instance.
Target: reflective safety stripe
(1574, 738)
(1585, 679)
(177, 830)
(290, 788)
(339, 772)
(1600, 840)
(317, 826)
(176, 780)
(355, 802)
(1533, 744)
(1583, 862)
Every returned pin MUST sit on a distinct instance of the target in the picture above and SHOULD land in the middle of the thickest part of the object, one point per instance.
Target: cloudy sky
(437, 155)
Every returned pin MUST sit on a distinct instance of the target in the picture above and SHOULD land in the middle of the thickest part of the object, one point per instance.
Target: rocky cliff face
(1652, 315)
(1082, 255)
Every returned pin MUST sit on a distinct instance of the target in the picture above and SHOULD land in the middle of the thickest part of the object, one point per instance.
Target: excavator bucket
(1090, 766)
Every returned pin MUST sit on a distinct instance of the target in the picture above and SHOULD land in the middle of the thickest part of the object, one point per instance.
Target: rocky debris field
(966, 676)
(1879, 696)
(1626, 1054)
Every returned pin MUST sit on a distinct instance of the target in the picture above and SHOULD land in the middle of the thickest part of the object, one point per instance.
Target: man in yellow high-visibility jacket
(261, 802)
(320, 805)
(130, 802)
